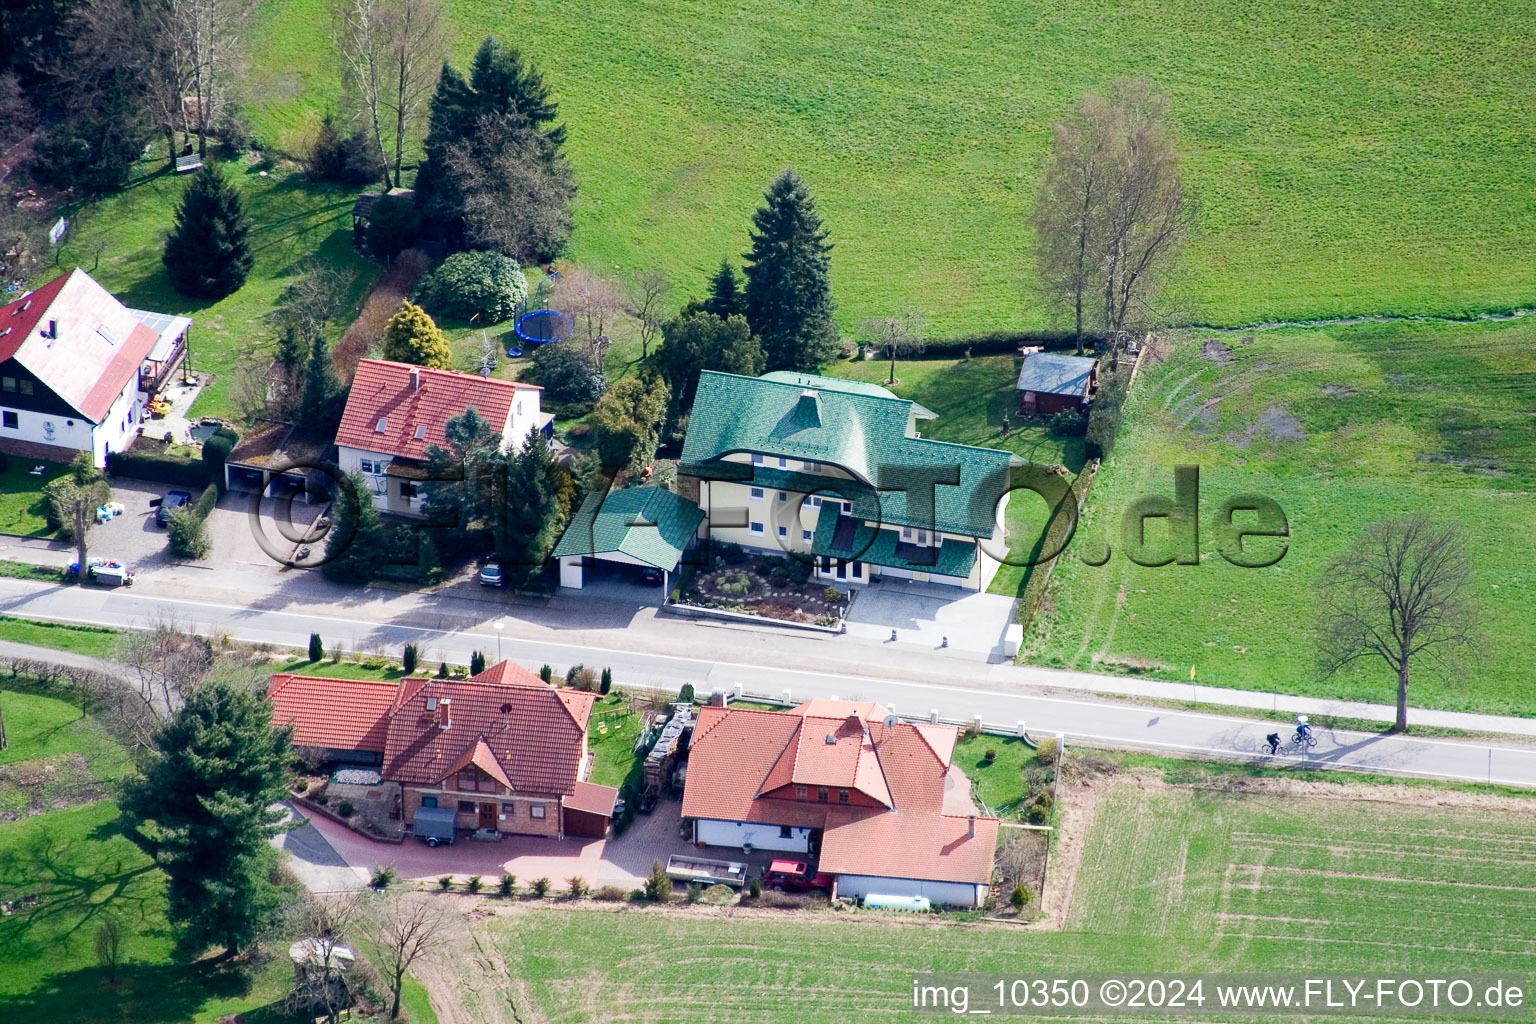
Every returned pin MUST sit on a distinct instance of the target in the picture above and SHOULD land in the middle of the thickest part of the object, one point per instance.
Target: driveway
(925, 614)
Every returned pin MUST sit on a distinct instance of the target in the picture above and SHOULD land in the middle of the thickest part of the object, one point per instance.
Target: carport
(271, 461)
(637, 526)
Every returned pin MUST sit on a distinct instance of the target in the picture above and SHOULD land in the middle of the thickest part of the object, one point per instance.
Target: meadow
(1172, 879)
(1342, 426)
(1345, 158)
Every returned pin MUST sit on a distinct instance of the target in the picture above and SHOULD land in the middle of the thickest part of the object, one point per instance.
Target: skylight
(421, 431)
(108, 333)
(382, 426)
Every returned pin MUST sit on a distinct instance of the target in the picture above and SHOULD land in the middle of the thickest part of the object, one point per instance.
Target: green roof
(849, 425)
(883, 547)
(852, 387)
(648, 523)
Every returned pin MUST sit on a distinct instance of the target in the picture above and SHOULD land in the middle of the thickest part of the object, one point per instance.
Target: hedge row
(994, 343)
(160, 467)
(1055, 533)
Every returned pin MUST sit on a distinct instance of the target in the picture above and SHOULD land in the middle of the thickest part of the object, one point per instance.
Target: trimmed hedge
(995, 343)
(159, 467)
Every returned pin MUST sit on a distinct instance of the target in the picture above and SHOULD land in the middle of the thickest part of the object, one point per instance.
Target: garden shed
(1050, 382)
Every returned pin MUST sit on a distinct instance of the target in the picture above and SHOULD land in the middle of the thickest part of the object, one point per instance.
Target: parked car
(794, 876)
(620, 805)
(172, 500)
(493, 575)
(653, 576)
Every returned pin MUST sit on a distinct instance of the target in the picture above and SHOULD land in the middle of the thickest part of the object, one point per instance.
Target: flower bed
(774, 587)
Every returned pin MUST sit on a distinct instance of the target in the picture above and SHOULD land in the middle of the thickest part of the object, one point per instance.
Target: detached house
(396, 411)
(838, 472)
(880, 798)
(504, 749)
(77, 367)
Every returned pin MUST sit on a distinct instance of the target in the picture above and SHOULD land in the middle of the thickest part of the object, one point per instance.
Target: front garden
(772, 586)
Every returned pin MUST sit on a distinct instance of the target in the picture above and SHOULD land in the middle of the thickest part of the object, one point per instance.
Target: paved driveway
(924, 614)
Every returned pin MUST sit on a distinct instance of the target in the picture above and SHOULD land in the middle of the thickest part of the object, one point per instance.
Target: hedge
(159, 467)
(993, 343)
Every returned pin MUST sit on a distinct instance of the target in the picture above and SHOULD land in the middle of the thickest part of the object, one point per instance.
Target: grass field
(23, 509)
(1342, 427)
(120, 239)
(1346, 158)
(1171, 879)
(92, 640)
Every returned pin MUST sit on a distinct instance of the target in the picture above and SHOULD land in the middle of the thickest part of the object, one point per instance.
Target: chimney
(970, 827)
(444, 714)
(809, 406)
(415, 378)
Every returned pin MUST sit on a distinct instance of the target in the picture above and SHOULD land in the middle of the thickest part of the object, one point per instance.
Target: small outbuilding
(648, 527)
(1050, 382)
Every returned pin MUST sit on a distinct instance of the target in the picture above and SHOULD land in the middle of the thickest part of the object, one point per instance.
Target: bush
(445, 883)
(393, 227)
(719, 895)
(408, 659)
(832, 595)
(316, 648)
(216, 452)
(754, 887)
(577, 887)
(1037, 810)
(735, 583)
(322, 799)
(541, 887)
(566, 373)
(658, 887)
(991, 756)
(442, 670)
(476, 662)
(609, 894)
(335, 155)
(345, 808)
(507, 886)
(1104, 416)
(301, 785)
(685, 694)
(411, 336)
(187, 533)
(1069, 423)
(475, 285)
(695, 892)
(606, 683)
(636, 895)
(160, 467)
(1047, 750)
(1018, 897)
(474, 883)
(383, 877)
(547, 674)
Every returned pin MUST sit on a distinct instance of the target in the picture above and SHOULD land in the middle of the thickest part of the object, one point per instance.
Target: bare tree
(1396, 594)
(75, 497)
(360, 33)
(211, 31)
(167, 664)
(416, 41)
(648, 293)
(317, 295)
(400, 931)
(109, 947)
(1111, 215)
(593, 302)
(892, 336)
(320, 982)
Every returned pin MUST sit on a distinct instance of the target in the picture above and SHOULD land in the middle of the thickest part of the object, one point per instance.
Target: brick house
(503, 748)
(877, 799)
(1050, 382)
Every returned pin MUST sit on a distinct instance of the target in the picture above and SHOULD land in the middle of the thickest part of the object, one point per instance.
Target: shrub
(187, 534)
(584, 679)
(476, 662)
(1069, 423)
(636, 895)
(567, 374)
(1047, 750)
(507, 886)
(606, 683)
(345, 808)
(547, 674)
(411, 336)
(577, 887)
(474, 883)
(719, 895)
(160, 467)
(445, 883)
(685, 694)
(216, 452)
(754, 887)
(475, 285)
(541, 887)
(392, 227)
(1104, 416)
(316, 647)
(609, 894)
(383, 877)
(335, 155)
(991, 756)
(832, 595)
(1037, 810)
(442, 670)
(302, 785)
(695, 892)
(735, 583)
(1018, 897)
(408, 659)
(658, 887)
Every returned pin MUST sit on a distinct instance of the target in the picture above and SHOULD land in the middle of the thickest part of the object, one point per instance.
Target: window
(466, 806)
(756, 528)
(757, 460)
(407, 489)
(382, 425)
(10, 420)
(783, 497)
(508, 810)
(25, 386)
(783, 531)
(783, 463)
(799, 792)
(785, 831)
(756, 494)
(429, 801)
(812, 467)
(805, 535)
(821, 794)
(489, 785)
(468, 779)
(842, 796)
(536, 812)
(815, 501)
(9, 383)
(368, 465)
(421, 431)
(108, 333)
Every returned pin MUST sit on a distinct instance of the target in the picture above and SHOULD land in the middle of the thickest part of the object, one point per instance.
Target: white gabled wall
(116, 431)
(762, 837)
(949, 894)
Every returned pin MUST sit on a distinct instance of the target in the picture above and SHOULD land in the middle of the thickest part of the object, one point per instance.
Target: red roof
(747, 765)
(414, 419)
(96, 349)
(592, 798)
(342, 714)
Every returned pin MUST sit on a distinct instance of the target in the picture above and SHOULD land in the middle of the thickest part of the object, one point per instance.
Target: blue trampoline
(543, 325)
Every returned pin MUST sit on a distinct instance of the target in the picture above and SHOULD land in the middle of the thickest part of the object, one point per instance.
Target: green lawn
(119, 241)
(613, 755)
(1001, 783)
(1171, 880)
(1393, 420)
(23, 509)
(92, 640)
(1347, 158)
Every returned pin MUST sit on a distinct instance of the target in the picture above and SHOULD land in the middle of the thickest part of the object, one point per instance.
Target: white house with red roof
(72, 360)
(504, 749)
(880, 798)
(396, 412)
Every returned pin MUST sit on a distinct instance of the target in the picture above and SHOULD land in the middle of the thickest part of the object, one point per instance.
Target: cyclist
(1303, 730)
(1273, 740)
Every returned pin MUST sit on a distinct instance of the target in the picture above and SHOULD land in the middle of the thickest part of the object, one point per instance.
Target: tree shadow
(164, 993)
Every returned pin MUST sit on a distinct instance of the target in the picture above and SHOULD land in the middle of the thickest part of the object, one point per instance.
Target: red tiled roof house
(503, 748)
(396, 412)
(883, 799)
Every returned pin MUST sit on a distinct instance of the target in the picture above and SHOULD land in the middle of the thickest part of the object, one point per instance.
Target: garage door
(894, 573)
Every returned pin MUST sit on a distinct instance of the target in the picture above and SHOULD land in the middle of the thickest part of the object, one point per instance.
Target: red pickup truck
(794, 876)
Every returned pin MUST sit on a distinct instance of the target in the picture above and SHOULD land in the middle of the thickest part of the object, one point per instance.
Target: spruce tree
(202, 807)
(531, 520)
(412, 336)
(789, 294)
(208, 253)
(725, 298)
(357, 544)
(325, 397)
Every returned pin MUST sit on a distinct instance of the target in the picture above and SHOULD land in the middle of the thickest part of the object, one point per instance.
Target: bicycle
(1302, 742)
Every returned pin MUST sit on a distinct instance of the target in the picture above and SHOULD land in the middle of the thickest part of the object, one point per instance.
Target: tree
(1110, 215)
(74, 499)
(626, 423)
(208, 253)
(647, 298)
(789, 293)
(483, 286)
(658, 887)
(476, 662)
(399, 933)
(531, 519)
(359, 34)
(465, 480)
(593, 302)
(325, 397)
(892, 336)
(725, 297)
(357, 545)
(1398, 594)
(566, 373)
(201, 806)
(316, 647)
(703, 341)
(317, 295)
(187, 527)
(412, 337)
(393, 227)
(109, 947)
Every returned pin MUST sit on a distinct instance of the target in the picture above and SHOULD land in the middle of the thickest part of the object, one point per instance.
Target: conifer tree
(413, 337)
(725, 298)
(325, 397)
(357, 544)
(532, 521)
(208, 253)
(789, 294)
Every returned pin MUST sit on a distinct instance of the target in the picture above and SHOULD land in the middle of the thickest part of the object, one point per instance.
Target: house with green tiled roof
(838, 472)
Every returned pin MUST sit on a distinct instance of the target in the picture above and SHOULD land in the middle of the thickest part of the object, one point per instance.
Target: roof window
(107, 333)
(382, 425)
(421, 431)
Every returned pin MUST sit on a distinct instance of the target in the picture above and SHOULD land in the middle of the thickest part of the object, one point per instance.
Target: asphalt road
(960, 693)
